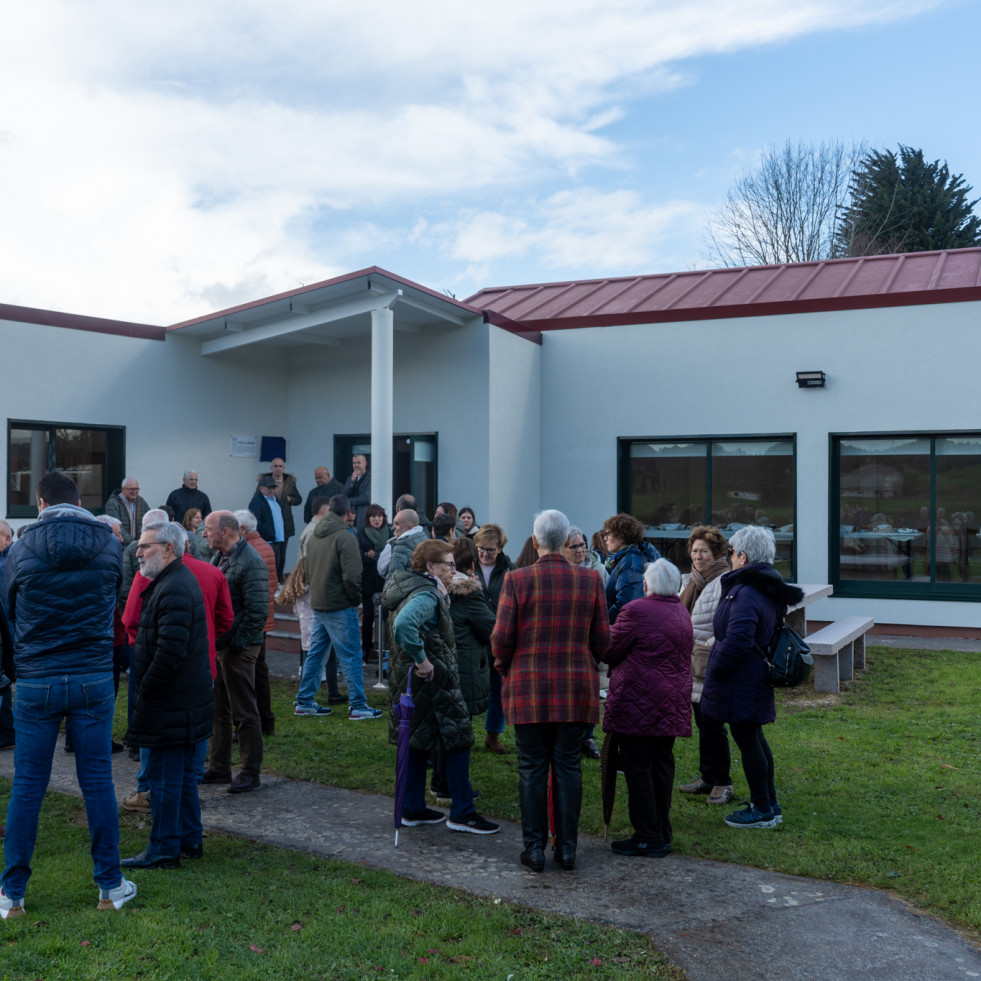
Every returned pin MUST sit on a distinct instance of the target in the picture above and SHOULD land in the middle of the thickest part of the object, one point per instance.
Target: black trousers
(757, 763)
(279, 554)
(714, 760)
(648, 764)
(555, 747)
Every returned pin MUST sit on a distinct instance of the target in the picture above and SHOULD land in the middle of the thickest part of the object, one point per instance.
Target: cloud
(155, 156)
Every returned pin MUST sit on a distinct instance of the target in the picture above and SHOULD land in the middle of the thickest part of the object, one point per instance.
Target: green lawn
(878, 785)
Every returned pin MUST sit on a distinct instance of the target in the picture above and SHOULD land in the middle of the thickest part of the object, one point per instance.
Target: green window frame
(715, 479)
(903, 514)
(94, 456)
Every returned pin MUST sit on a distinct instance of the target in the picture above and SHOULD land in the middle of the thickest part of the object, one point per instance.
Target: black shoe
(216, 776)
(534, 859)
(148, 860)
(640, 849)
(7, 744)
(565, 858)
(196, 851)
(118, 747)
(589, 749)
(244, 783)
(134, 754)
(411, 819)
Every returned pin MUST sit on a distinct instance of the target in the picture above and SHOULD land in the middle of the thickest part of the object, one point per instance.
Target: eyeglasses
(144, 546)
(450, 564)
(487, 551)
(576, 548)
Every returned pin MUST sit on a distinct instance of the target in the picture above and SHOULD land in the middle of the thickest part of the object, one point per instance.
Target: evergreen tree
(904, 204)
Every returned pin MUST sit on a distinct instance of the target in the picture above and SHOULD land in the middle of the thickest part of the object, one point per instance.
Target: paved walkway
(714, 920)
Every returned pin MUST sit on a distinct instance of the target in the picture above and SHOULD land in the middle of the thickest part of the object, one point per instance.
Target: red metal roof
(76, 321)
(839, 284)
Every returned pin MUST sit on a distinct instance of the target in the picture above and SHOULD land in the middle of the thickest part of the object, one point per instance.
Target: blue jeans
(174, 802)
(494, 722)
(86, 701)
(340, 628)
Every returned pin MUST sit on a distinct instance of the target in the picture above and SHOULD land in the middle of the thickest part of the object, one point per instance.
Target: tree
(904, 204)
(787, 209)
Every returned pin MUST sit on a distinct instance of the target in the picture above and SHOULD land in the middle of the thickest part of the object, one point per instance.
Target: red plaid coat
(552, 627)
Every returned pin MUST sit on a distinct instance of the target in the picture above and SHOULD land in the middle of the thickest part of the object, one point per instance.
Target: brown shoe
(698, 786)
(244, 783)
(138, 801)
(216, 776)
(493, 742)
(720, 795)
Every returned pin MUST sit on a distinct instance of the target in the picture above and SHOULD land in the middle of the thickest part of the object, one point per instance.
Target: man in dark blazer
(552, 629)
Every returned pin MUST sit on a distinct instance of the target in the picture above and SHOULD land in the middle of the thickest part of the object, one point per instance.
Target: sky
(164, 160)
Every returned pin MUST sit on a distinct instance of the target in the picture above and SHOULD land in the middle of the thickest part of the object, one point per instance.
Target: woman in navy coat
(754, 599)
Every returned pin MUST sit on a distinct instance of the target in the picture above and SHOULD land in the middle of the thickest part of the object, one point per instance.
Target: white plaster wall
(514, 436)
(179, 409)
(896, 369)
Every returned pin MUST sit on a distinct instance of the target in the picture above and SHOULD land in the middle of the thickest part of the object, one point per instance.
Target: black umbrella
(609, 764)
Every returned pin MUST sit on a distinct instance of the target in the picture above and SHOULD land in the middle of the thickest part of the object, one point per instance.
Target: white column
(382, 401)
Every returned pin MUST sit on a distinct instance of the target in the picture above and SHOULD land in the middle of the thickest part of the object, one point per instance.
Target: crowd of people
(182, 597)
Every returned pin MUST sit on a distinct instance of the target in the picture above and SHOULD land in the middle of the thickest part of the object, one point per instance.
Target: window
(673, 485)
(94, 457)
(904, 518)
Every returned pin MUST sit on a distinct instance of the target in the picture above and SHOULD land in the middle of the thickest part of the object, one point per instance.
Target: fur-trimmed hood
(464, 585)
(764, 578)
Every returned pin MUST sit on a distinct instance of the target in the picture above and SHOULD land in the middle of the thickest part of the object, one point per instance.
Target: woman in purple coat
(649, 703)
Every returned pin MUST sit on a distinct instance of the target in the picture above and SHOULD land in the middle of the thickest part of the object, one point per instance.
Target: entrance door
(414, 464)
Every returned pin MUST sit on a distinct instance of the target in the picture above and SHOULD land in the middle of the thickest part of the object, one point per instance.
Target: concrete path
(714, 920)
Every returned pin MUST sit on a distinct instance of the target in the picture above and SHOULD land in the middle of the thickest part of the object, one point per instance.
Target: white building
(674, 397)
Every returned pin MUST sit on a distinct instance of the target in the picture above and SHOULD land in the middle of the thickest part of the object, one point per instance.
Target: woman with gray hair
(753, 600)
(648, 704)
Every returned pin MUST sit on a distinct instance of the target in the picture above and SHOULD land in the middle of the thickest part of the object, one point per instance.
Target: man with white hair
(128, 508)
(172, 710)
(552, 629)
(187, 496)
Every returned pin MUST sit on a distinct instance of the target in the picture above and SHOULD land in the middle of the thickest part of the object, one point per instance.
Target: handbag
(788, 659)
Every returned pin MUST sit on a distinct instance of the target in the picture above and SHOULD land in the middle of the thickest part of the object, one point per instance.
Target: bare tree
(787, 209)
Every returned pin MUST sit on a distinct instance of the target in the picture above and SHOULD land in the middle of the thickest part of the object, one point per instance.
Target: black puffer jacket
(502, 566)
(171, 666)
(60, 584)
(248, 583)
(439, 705)
(473, 623)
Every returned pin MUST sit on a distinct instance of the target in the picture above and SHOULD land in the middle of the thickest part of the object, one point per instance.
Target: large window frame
(624, 488)
(914, 587)
(415, 464)
(110, 466)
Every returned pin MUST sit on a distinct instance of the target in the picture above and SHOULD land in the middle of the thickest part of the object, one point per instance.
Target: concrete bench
(838, 650)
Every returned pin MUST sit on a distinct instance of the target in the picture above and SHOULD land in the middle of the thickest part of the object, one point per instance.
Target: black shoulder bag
(788, 660)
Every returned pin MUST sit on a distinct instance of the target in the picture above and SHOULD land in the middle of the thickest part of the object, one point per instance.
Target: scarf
(377, 536)
(699, 580)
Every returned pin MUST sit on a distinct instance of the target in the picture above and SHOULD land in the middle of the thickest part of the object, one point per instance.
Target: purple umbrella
(405, 708)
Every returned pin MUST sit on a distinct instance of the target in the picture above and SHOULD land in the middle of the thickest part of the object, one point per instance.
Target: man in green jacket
(334, 574)
(237, 651)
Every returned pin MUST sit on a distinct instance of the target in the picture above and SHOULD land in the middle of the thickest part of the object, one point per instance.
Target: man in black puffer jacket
(172, 696)
(59, 587)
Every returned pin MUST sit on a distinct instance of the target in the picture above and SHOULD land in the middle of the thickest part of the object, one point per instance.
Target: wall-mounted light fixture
(810, 379)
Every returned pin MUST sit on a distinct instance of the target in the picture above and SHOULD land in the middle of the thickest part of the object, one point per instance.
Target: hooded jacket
(422, 627)
(753, 600)
(60, 586)
(473, 623)
(650, 677)
(626, 581)
(334, 566)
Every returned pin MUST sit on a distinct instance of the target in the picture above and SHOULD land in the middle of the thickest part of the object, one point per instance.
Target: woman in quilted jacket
(649, 703)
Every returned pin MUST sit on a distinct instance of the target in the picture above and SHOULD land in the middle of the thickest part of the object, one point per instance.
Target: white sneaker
(114, 898)
(10, 907)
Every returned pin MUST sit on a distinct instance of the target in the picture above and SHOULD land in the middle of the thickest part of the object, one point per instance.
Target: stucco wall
(906, 368)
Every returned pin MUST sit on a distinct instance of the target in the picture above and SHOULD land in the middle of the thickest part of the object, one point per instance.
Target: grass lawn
(878, 785)
(253, 911)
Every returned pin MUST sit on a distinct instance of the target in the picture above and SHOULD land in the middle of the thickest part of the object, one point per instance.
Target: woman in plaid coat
(552, 628)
